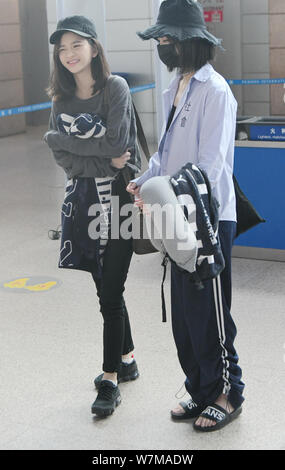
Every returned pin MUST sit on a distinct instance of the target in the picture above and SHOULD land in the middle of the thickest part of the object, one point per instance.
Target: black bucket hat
(75, 24)
(181, 20)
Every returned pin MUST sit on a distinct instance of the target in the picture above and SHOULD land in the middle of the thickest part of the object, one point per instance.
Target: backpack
(191, 182)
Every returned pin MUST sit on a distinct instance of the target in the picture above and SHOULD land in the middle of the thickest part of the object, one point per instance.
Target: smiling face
(76, 53)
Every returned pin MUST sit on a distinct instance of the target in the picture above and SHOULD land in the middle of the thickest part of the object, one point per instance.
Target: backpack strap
(164, 265)
(141, 136)
(140, 132)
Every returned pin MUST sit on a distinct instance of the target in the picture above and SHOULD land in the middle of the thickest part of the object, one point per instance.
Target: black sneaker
(126, 373)
(107, 399)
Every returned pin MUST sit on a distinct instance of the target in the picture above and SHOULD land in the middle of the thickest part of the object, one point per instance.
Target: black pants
(204, 331)
(117, 337)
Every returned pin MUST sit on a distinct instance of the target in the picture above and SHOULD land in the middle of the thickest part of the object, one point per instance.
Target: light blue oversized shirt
(202, 132)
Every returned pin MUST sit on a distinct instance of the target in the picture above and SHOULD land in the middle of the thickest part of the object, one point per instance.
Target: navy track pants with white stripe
(204, 331)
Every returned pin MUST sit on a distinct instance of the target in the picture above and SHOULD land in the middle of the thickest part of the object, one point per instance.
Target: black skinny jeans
(117, 337)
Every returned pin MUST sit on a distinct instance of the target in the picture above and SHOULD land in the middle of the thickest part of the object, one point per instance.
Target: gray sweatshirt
(92, 157)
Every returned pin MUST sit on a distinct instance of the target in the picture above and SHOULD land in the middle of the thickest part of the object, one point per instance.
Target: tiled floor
(51, 341)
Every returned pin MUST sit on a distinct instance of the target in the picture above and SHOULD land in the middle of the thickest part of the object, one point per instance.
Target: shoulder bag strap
(141, 136)
(140, 132)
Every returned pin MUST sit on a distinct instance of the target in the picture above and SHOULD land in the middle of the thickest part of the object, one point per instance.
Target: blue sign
(262, 81)
(138, 89)
(267, 132)
(39, 106)
(24, 109)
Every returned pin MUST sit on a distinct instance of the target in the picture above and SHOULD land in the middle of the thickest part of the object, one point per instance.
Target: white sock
(129, 359)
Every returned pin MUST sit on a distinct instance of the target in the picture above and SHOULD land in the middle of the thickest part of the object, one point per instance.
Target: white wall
(127, 53)
(52, 21)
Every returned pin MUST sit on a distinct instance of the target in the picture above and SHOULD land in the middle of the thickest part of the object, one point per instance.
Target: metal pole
(162, 76)
(158, 76)
(60, 9)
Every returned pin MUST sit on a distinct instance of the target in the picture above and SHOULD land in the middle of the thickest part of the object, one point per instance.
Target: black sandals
(191, 410)
(219, 415)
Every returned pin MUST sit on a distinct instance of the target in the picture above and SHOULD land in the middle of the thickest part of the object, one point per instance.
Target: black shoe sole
(128, 378)
(103, 413)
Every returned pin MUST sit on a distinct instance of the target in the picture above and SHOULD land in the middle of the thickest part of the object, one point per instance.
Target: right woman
(84, 93)
(200, 112)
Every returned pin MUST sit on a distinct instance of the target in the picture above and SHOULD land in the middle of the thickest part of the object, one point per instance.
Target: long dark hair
(62, 83)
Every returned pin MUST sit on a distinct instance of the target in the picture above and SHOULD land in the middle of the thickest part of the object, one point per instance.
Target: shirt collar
(204, 73)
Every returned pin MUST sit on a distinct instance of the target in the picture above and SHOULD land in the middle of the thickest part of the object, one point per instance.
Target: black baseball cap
(75, 24)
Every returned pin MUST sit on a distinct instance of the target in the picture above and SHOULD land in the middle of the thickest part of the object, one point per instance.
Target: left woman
(93, 138)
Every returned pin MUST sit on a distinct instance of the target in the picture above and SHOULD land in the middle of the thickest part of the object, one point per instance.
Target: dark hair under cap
(62, 84)
(180, 20)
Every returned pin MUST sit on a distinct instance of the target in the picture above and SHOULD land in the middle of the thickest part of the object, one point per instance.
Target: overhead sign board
(213, 10)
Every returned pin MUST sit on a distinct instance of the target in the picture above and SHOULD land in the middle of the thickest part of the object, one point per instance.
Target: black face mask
(168, 55)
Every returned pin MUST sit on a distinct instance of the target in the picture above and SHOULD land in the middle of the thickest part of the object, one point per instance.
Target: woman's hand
(135, 191)
(121, 161)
